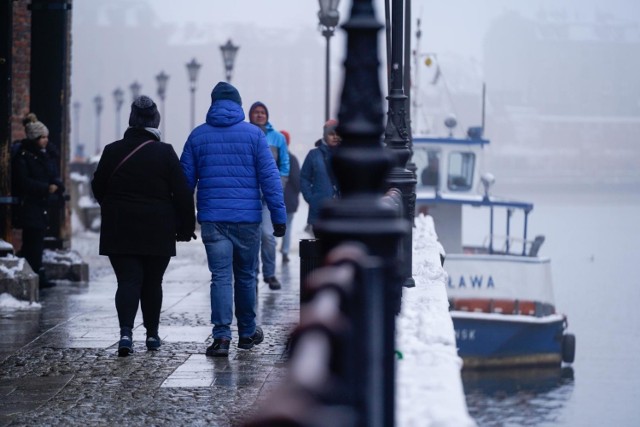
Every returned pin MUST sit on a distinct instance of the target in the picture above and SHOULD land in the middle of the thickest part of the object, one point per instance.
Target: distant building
(563, 90)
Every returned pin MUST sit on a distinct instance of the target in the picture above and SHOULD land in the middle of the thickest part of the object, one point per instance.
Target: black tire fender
(568, 348)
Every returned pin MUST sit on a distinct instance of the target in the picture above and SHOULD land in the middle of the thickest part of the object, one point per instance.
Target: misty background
(562, 92)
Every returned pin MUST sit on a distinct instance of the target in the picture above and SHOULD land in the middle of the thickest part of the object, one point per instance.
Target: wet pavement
(58, 364)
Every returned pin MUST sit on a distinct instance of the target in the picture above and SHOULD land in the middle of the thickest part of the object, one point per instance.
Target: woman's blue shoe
(153, 343)
(125, 346)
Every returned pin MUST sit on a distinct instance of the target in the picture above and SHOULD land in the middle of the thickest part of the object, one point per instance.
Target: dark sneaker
(219, 348)
(153, 343)
(273, 283)
(125, 346)
(285, 258)
(255, 339)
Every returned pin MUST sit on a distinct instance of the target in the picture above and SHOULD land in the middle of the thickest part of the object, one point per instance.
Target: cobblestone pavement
(58, 365)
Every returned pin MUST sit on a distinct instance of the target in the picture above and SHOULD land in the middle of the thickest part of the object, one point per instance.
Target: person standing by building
(229, 162)
(36, 182)
(317, 181)
(259, 116)
(291, 197)
(146, 206)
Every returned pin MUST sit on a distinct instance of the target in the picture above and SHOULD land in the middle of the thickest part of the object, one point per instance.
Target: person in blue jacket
(259, 116)
(317, 181)
(230, 163)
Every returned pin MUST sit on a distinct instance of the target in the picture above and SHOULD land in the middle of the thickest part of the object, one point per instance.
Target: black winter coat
(146, 202)
(33, 172)
(292, 189)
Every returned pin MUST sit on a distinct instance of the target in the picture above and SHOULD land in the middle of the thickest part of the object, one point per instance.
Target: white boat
(501, 291)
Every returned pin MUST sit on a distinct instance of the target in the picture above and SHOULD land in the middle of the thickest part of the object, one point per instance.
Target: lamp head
(487, 180)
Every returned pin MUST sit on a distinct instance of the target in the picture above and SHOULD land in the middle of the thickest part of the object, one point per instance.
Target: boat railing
(529, 247)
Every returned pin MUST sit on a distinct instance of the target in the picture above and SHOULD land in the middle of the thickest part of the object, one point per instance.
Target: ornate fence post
(361, 165)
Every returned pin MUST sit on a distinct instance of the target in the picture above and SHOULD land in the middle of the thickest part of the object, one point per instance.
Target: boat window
(428, 165)
(461, 166)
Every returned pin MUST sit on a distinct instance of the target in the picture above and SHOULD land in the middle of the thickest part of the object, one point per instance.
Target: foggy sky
(281, 56)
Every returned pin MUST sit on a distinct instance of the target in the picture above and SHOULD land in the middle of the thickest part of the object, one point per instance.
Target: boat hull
(489, 340)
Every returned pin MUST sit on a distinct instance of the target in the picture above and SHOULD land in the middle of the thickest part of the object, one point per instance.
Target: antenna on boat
(416, 70)
(484, 96)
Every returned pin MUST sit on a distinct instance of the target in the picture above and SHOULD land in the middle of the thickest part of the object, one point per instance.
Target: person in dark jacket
(36, 182)
(230, 163)
(146, 206)
(317, 182)
(291, 197)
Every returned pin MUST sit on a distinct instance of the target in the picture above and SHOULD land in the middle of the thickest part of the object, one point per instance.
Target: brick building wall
(36, 54)
(21, 54)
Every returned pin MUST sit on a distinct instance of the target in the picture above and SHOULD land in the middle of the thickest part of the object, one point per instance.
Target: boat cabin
(448, 169)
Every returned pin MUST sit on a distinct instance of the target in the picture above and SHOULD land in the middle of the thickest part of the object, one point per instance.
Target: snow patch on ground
(10, 272)
(7, 301)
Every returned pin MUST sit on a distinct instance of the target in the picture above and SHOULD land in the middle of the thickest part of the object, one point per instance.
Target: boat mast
(484, 96)
(416, 78)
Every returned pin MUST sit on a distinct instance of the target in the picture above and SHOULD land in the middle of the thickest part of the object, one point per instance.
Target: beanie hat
(224, 90)
(144, 113)
(34, 128)
(258, 104)
(329, 127)
(286, 136)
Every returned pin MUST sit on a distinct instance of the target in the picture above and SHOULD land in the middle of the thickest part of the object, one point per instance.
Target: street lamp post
(329, 17)
(135, 90)
(79, 153)
(162, 80)
(118, 97)
(229, 51)
(192, 68)
(97, 102)
(397, 134)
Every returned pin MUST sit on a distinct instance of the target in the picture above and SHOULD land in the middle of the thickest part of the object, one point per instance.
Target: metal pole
(163, 119)
(361, 165)
(327, 35)
(97, 133)
(76, 126)
(193, 107)
(118, 108)
(397, 137)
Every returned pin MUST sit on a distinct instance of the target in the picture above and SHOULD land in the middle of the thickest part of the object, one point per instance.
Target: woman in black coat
(36, 183)
(146, 206)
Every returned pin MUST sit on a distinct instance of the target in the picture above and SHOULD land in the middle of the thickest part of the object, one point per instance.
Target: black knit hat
(144, 113)
(224, 90)
(258, 104)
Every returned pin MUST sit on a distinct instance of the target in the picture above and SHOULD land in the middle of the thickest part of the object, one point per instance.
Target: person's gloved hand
(186, 237)
(279, 229)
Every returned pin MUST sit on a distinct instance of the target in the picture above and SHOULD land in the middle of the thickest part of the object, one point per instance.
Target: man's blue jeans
(268, 248)
(232, 254)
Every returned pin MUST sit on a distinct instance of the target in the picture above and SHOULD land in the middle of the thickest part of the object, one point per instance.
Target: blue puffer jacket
(230, 162)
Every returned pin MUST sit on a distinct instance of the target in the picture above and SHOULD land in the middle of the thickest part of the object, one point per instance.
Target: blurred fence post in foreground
(342, 365)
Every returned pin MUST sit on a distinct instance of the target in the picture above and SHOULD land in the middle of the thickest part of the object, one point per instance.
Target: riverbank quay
(59, 366)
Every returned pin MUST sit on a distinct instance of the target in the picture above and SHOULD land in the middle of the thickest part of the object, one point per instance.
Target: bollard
(310, 259)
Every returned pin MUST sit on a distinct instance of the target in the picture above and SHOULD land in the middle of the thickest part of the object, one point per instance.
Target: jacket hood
(224, 112)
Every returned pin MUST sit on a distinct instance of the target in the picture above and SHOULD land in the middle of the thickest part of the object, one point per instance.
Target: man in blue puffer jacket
(232, 166)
